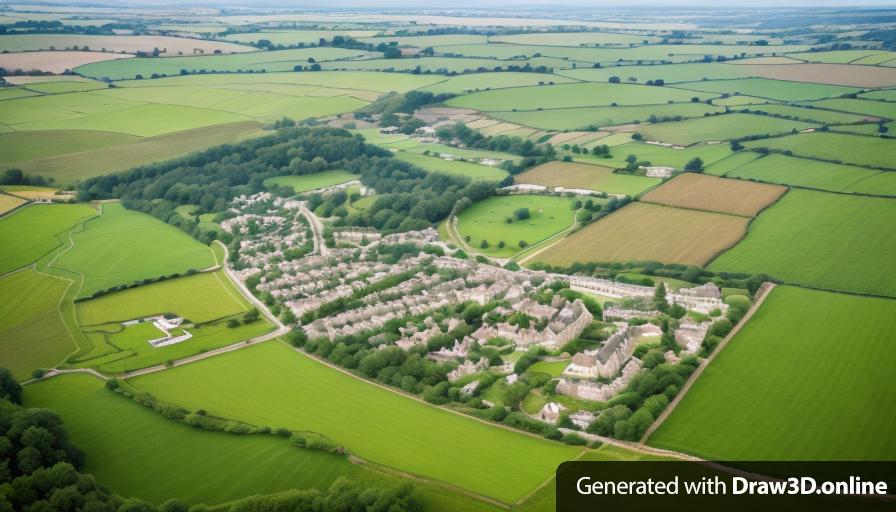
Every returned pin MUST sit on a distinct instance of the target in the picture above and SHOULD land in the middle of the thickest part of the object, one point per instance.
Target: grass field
(718, 128)
(484, 81)
(820, 239)
(571, 95)
(672, 73)
(32, 332)
(31, 232)
(200, 298)
(771, 89)
(123, 246)
(849, 149)
(486, 220)
(314, 181)
(19, 146)
(730, 163)
(294, 37)
(642, 232)
(661, 155)
(869, 108)
(372, 81)
(702, 192)
(575, 39)
(271, 384)
(137, 452)
(457, 167)
(789, 363)
(585, 176)
(552, 368)
(582, 117)
(128, 44)
(804, 172)
(812, 115)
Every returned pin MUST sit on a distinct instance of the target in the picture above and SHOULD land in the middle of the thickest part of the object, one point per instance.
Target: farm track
(764, 293)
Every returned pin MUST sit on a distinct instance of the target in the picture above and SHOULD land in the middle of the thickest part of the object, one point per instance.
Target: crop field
(576, 118)
(833, 74)
(200, 298)
(54, 61)
(752, 402)
(123, 246)
(772, 89)
(32, 332)
(436, 64)
(794, 241)
(428, 40)
(585, 176)
(34, 231)
(839, 57)
(8, 202)
(273, 385)
(137, 452)
(314, 181)
(484, 81)
(642, 232)
(849, 149)
(721, 127)
(281, 60)
(804, 172)
(709, 193)
(487, 221)
(168, 46)
(817, 115)
(457, 167)
(575, 39)
(571, 95)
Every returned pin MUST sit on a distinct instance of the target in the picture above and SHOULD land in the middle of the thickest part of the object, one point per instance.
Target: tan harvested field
(26, 79)
(564, 137)
(168, 46)
(54, 62)
(8, 202)
(585, 176)
(831, 74)
(710, 193)
(642, 231)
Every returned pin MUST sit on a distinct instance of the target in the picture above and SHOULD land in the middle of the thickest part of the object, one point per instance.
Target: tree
(392, 52)
(484, 244)
(9, 387)
(614, 79)
(659, 297)
(694, 165)
(522, 214)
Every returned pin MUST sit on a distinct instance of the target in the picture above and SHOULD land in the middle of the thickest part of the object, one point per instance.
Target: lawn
(273, 385)
(456, 167)
(199, 298)
(719, 128)
(582, 117)
(585, 176)
(645, 232)
(124, 246)
(849, 149)
(314, 181)
(34, 231)
(772, 89)
(487, 220)
(552, 368)
(571, 95)
(820, 239)
(703, 192)
(137, 452)
(789, 363)
(32, 332)
(808, 173)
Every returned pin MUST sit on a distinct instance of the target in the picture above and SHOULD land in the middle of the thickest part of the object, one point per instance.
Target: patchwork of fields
(589, 177)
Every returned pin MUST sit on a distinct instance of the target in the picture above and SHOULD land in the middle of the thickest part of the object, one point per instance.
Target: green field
(660, 155)
(859, 106)
(33, 231)
(576, 118)
(804, 172)
(123, 246)
(21, 146)
(294, 37)
(137, 452)
(484, 81)
(314, 181)
(731, 163)
(820, 239)
(486, 220)
(440, 65)
(552, 368)
(849, 149)
(771, 89)
(670, 73)
(716, 128)
(200, 298)
(817, 115)
(271, 384)
(371, 81)
(456, 167)
(571, 95)
(32, 332)
(805, 354)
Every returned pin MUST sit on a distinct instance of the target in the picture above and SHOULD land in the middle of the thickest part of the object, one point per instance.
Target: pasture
(709, 193)
(730, 163)
(456, 167)
(272, 384)
(32, 331)
(583, 117)
(813, 115)
(123, 247)
(868, 108)
(168, 46)
(137, 452)
(807, 173)
(294, 37)
(200, 298)
(571, 95)
(824, 240)
(585, 176)
(23, 146)
(575, 39)
(847, 148)
(789, 364)
(670, 73)
(372, 81)
(719, 128)
(35, 230)
(486, 220)
(771, 89)
(440, 65)
(306, 182)
(642, 232)
(661, 155)
(484, 81)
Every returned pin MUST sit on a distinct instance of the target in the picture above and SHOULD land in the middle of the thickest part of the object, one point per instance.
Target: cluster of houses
(265, 236)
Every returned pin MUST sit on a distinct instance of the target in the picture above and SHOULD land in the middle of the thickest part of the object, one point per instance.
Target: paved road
(317, 229)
